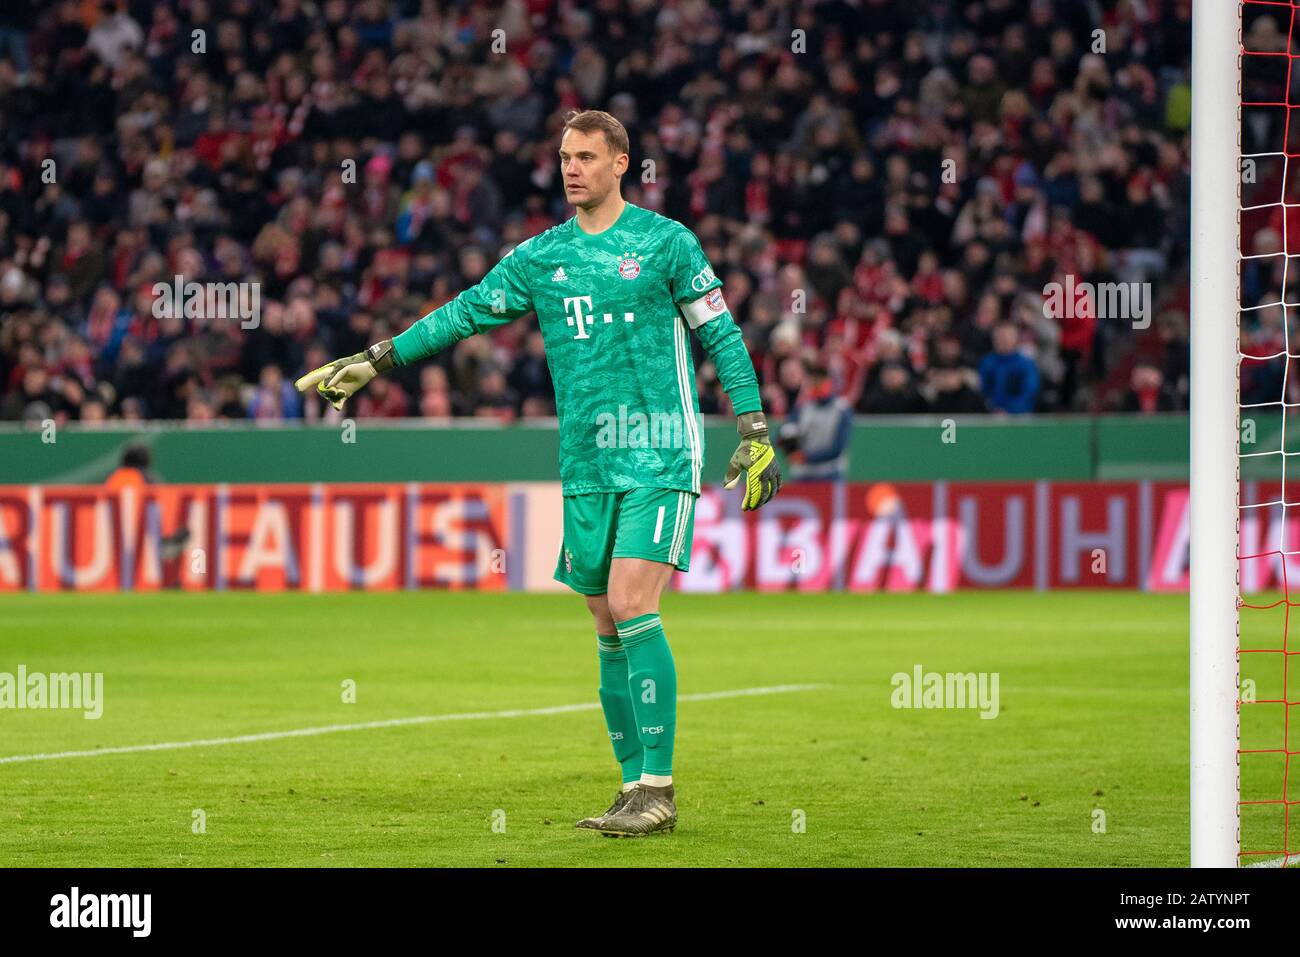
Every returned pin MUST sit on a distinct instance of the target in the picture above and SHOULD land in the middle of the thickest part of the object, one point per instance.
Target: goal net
(1245, 685)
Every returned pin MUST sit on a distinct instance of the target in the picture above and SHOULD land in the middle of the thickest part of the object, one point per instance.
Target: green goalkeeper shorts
(652, 523)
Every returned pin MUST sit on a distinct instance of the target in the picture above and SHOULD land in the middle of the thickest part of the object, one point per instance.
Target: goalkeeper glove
(756, 459)
(341, 379)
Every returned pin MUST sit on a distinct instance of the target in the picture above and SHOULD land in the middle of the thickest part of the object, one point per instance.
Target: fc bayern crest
(629, 267)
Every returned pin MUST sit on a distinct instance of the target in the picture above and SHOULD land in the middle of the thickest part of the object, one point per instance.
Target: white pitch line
(389, 723)
(1274, 862)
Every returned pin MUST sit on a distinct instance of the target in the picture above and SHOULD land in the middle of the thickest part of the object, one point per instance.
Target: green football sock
(616, 702)
(652, 680)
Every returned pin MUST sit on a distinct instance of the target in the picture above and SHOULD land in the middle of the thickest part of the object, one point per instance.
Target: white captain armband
(707, 307)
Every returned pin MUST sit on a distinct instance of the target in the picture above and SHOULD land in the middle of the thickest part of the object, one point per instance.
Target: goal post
(1213, 593)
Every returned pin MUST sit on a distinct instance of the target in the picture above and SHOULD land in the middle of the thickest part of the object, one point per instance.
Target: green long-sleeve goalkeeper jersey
(615, 310)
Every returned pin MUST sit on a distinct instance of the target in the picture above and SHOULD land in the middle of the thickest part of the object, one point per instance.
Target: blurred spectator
(33, 398)
(950, 391)
(435, 395)
(496, 398)
(1147, 391)
(17, 17)
(895, 395)
(871, 209)
(530, 376)
(114, 34)
(1009, 379)
(816, 436)
(389, 401)
(275, 397)
(134, 473)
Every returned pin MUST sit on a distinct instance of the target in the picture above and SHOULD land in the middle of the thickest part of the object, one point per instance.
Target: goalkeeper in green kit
(616, 289)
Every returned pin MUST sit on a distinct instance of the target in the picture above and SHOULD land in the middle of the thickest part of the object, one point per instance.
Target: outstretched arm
(499, 297)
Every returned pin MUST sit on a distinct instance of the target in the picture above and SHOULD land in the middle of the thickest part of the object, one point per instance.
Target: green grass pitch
(1093, 695)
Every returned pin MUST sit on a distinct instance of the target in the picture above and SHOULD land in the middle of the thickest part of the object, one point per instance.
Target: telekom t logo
(584, 320)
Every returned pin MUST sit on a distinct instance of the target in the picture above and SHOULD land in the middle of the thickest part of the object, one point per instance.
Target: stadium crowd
(885, 188)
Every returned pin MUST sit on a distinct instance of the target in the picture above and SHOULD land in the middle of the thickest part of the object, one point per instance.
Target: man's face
(589, 167)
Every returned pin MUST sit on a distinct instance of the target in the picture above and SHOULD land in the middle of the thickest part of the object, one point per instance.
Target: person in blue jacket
(1008, 377)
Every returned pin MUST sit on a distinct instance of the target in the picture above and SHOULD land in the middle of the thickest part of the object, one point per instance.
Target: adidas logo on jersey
(559, 276)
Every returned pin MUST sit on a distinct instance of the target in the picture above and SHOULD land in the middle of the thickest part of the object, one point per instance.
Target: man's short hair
(598, 121)
(136, 456)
